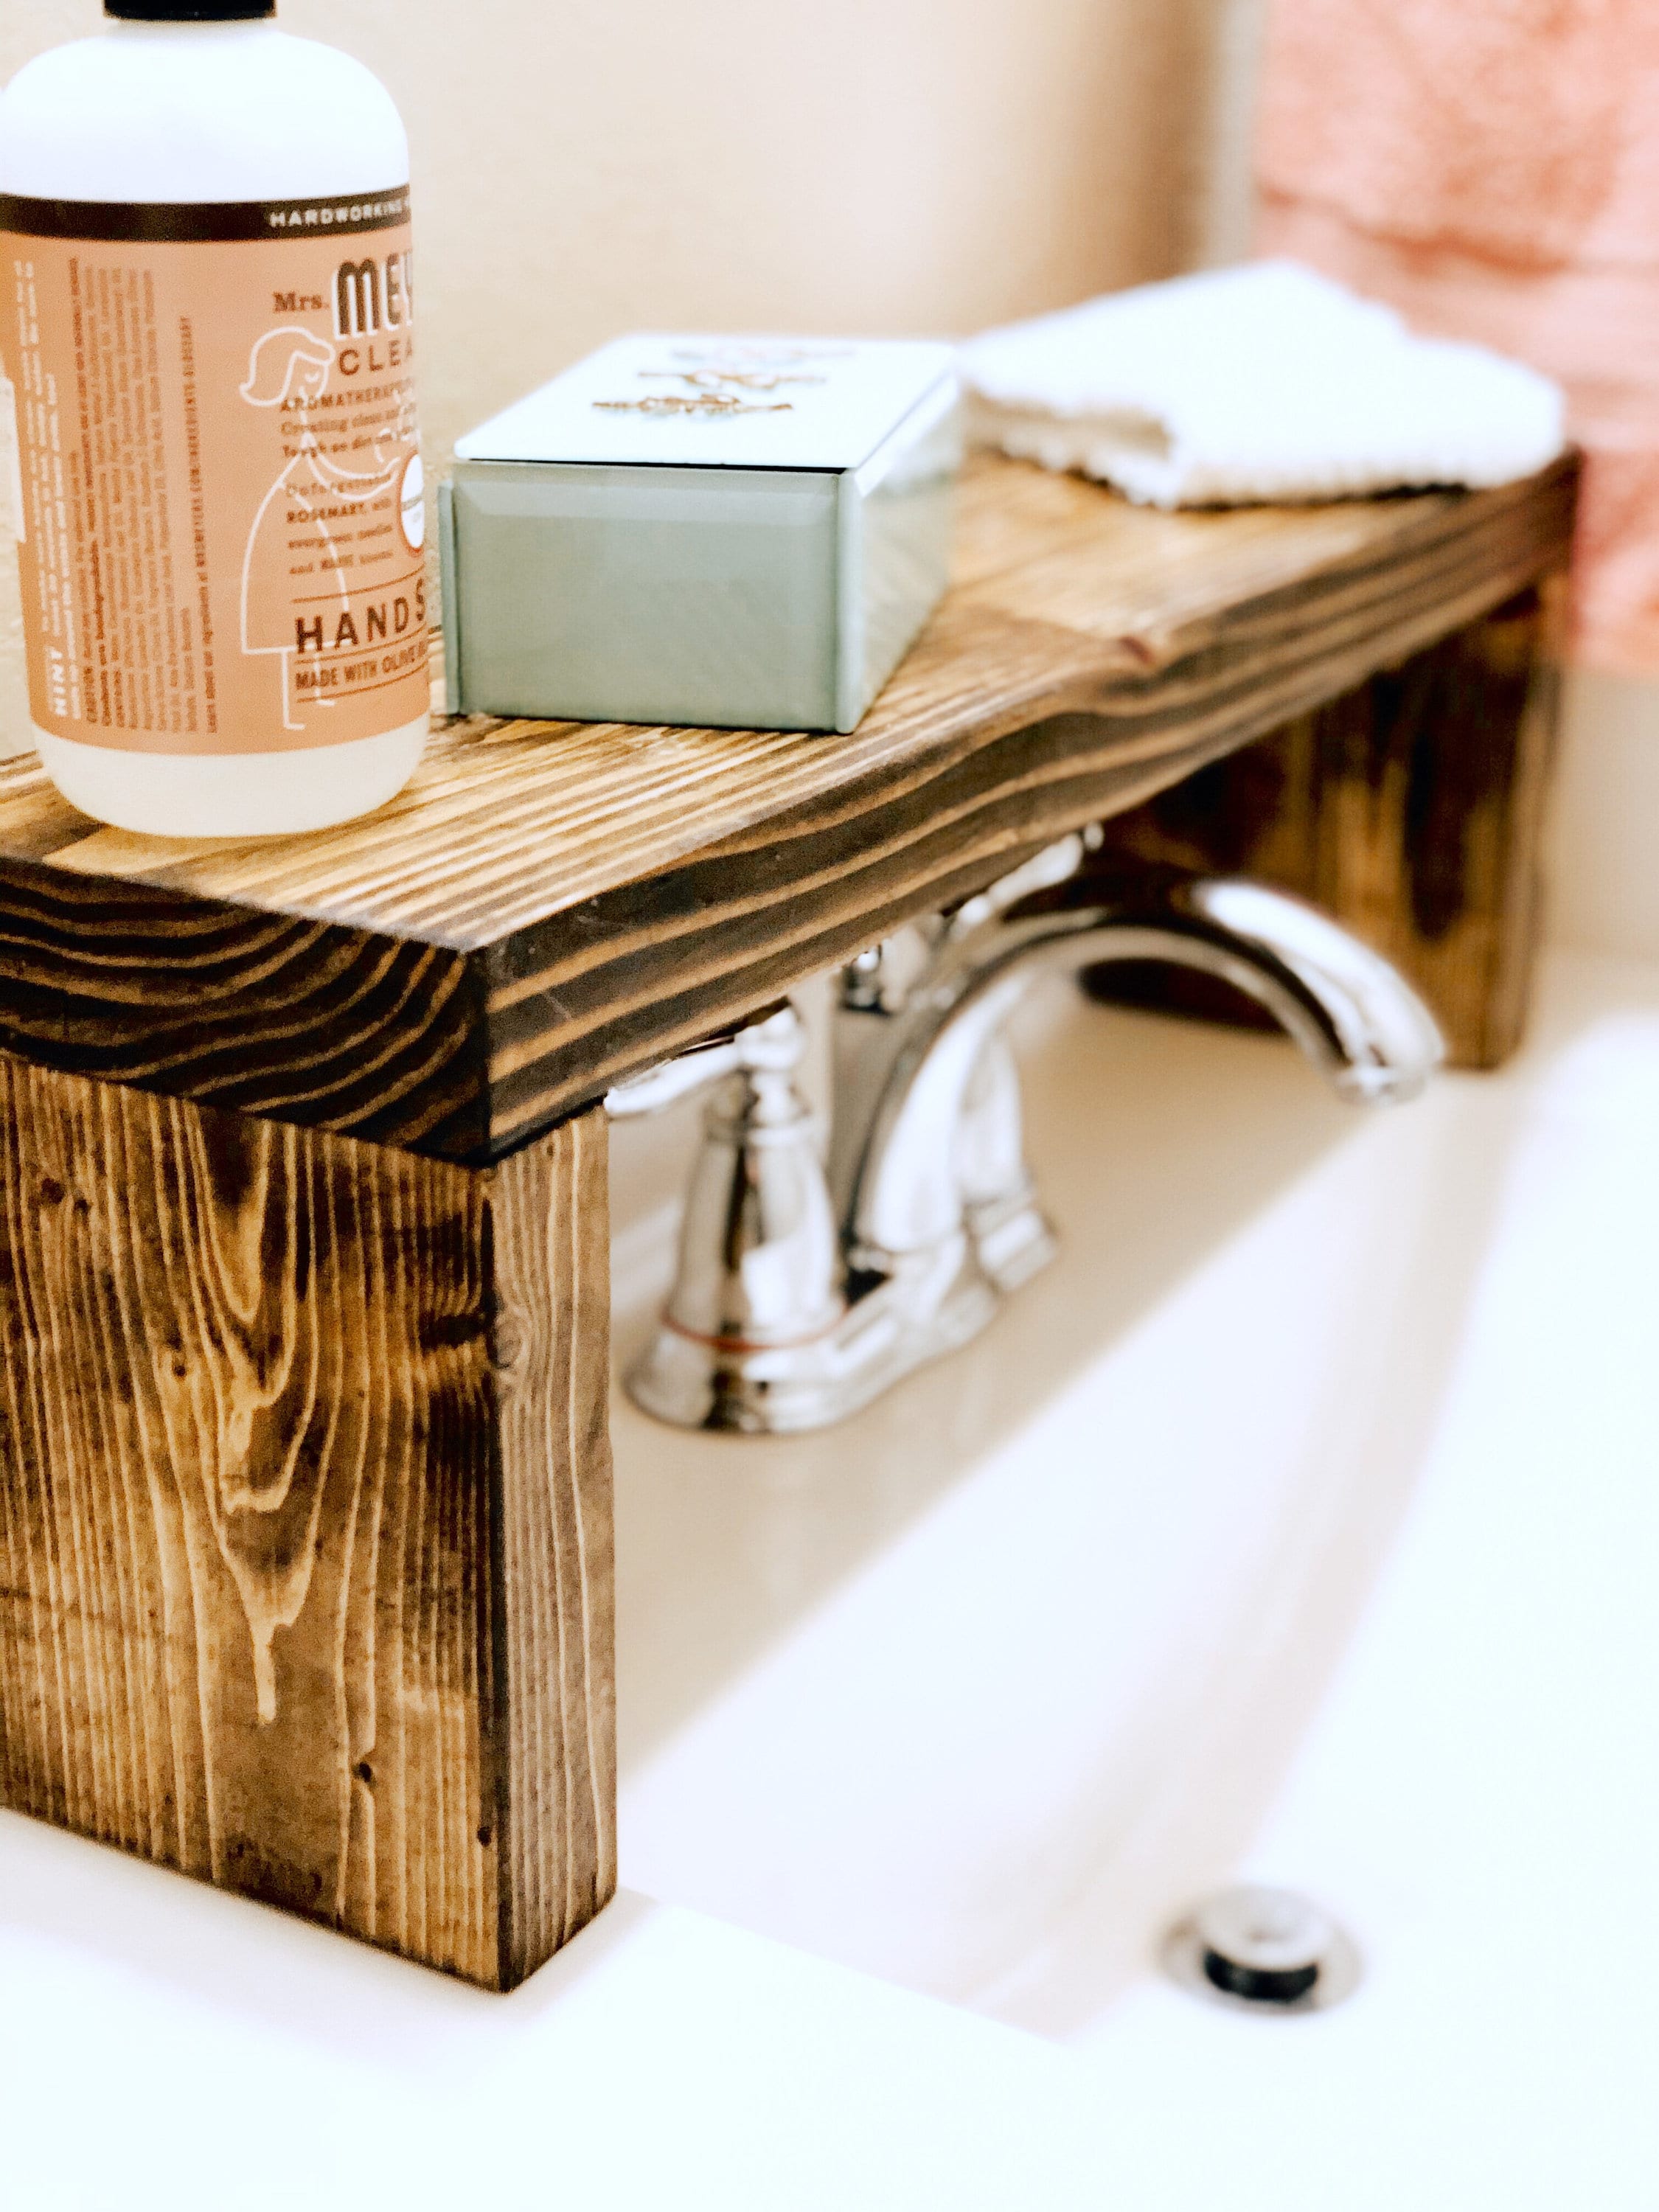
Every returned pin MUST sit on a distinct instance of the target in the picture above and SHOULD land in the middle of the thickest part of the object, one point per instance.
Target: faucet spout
(1351, 1013)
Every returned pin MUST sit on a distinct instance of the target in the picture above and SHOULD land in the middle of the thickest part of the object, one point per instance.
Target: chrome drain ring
(1261, 1950)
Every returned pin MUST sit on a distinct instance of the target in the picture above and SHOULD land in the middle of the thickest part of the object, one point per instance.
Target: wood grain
(304, 1508)
(554, 1569)
(551, 905)
(1412, 808)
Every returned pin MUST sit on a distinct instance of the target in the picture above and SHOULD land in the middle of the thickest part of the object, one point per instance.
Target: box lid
(687, 401)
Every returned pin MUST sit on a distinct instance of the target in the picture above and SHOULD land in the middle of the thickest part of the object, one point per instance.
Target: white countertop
(163, 2046)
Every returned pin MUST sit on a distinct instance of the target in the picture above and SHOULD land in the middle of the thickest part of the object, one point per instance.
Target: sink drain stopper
(1267, 1949)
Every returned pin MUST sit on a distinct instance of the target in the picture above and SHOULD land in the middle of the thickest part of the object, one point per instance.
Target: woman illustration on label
(295, 597)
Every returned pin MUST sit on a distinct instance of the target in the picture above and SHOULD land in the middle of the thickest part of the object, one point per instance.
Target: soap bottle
(207, 355)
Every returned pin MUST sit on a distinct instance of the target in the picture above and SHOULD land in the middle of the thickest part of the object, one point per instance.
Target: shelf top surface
(1065, 598)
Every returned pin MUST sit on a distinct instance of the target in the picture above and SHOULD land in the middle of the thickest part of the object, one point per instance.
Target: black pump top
(190, 11)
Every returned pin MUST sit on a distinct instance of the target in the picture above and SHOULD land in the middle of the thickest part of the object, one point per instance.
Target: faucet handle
(759, 1280)
(1055, 863)
(769, 1041)
(880, 979)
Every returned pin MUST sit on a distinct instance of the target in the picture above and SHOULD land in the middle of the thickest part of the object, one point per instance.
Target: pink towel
(1490, 167)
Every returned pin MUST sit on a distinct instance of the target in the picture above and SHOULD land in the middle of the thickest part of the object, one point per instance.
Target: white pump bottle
(206, 311)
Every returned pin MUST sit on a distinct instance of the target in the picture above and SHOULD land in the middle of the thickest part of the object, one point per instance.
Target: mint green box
(744, 532)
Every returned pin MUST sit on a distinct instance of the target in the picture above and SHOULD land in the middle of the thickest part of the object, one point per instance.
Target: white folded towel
(1265, 382)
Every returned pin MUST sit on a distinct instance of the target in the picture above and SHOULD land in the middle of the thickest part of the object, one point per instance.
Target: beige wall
(861, 166)
(588, 167)
(1604, 855)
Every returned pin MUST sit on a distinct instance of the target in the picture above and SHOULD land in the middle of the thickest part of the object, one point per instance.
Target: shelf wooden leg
(1412, 809)
(305, 1514)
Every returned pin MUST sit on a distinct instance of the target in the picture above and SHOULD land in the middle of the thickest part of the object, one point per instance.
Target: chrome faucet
(806, 1286)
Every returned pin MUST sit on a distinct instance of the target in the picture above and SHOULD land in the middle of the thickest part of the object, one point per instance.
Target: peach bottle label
(218, 489)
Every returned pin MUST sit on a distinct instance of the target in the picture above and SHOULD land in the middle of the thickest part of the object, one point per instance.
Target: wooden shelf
(305, 1486)
(552, 904)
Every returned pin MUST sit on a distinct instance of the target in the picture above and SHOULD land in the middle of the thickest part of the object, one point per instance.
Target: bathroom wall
(1561, 68)
(1604, 857)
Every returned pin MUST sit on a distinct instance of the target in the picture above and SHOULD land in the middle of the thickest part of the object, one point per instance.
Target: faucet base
(783, 1389)
(1013, 1239)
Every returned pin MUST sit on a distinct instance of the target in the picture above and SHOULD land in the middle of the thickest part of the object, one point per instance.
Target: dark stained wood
(552, 905)
(305, 1566)
(1412, 808)
(556, 1726)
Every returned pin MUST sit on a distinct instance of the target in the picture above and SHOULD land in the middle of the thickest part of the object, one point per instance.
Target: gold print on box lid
(720, 383)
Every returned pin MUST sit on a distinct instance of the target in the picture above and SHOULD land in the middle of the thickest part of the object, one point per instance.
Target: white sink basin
(1300, 1524)
(1300, 1521)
